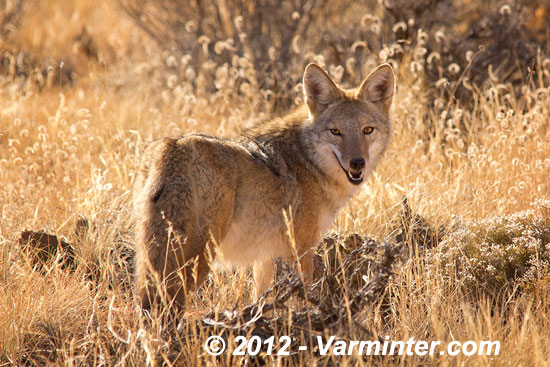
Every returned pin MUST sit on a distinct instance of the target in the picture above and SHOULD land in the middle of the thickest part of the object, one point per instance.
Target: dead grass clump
(332, 306)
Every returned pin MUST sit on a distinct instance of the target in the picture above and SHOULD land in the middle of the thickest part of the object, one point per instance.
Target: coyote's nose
(357, 163)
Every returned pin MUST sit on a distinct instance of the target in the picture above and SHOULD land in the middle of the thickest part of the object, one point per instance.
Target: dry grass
(69, 150)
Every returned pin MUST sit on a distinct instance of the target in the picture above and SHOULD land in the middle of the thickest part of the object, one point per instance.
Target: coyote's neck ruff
(198, 196)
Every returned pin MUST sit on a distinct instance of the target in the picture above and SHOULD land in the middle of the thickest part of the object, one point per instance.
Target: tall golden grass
(69, 150)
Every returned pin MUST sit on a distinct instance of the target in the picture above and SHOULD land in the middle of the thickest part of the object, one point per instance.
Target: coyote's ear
(320, 91)
(379, 87)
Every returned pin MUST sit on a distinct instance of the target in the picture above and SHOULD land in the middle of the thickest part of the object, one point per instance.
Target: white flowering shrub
(499, 253)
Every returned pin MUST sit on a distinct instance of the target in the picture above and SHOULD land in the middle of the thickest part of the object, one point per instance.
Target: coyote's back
(201, 197)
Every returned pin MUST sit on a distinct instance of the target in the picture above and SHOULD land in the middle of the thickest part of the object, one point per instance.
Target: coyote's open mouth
(354, 177)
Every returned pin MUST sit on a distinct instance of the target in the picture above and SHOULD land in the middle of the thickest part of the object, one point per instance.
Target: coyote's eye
(368, 130)
(335, 132)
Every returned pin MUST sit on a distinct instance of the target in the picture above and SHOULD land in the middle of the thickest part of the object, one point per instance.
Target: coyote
(198, 197)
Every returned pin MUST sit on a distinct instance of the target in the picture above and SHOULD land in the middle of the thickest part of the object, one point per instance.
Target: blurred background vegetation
(454, 46)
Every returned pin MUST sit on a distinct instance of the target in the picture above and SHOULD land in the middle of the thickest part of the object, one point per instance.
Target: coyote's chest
(249, 241)
(246, 243)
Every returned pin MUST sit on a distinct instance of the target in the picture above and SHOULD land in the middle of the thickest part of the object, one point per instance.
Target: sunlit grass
(70, 151)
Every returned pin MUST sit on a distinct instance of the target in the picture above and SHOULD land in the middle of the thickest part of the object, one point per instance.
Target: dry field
(84, 84)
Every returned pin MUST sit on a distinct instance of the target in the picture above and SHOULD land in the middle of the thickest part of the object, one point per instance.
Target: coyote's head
(348, 130)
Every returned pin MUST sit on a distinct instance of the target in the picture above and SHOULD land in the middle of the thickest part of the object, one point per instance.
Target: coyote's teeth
(354, 178)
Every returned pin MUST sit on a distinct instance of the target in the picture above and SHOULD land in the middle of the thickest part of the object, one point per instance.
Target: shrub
(265, 45)
(497, 254)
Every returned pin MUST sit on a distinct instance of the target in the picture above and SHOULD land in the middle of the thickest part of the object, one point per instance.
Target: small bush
(498, 254)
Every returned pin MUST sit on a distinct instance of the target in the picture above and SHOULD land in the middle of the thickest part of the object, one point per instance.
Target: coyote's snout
(197, 191)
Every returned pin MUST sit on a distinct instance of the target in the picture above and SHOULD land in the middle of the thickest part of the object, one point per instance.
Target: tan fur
(195, 192)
